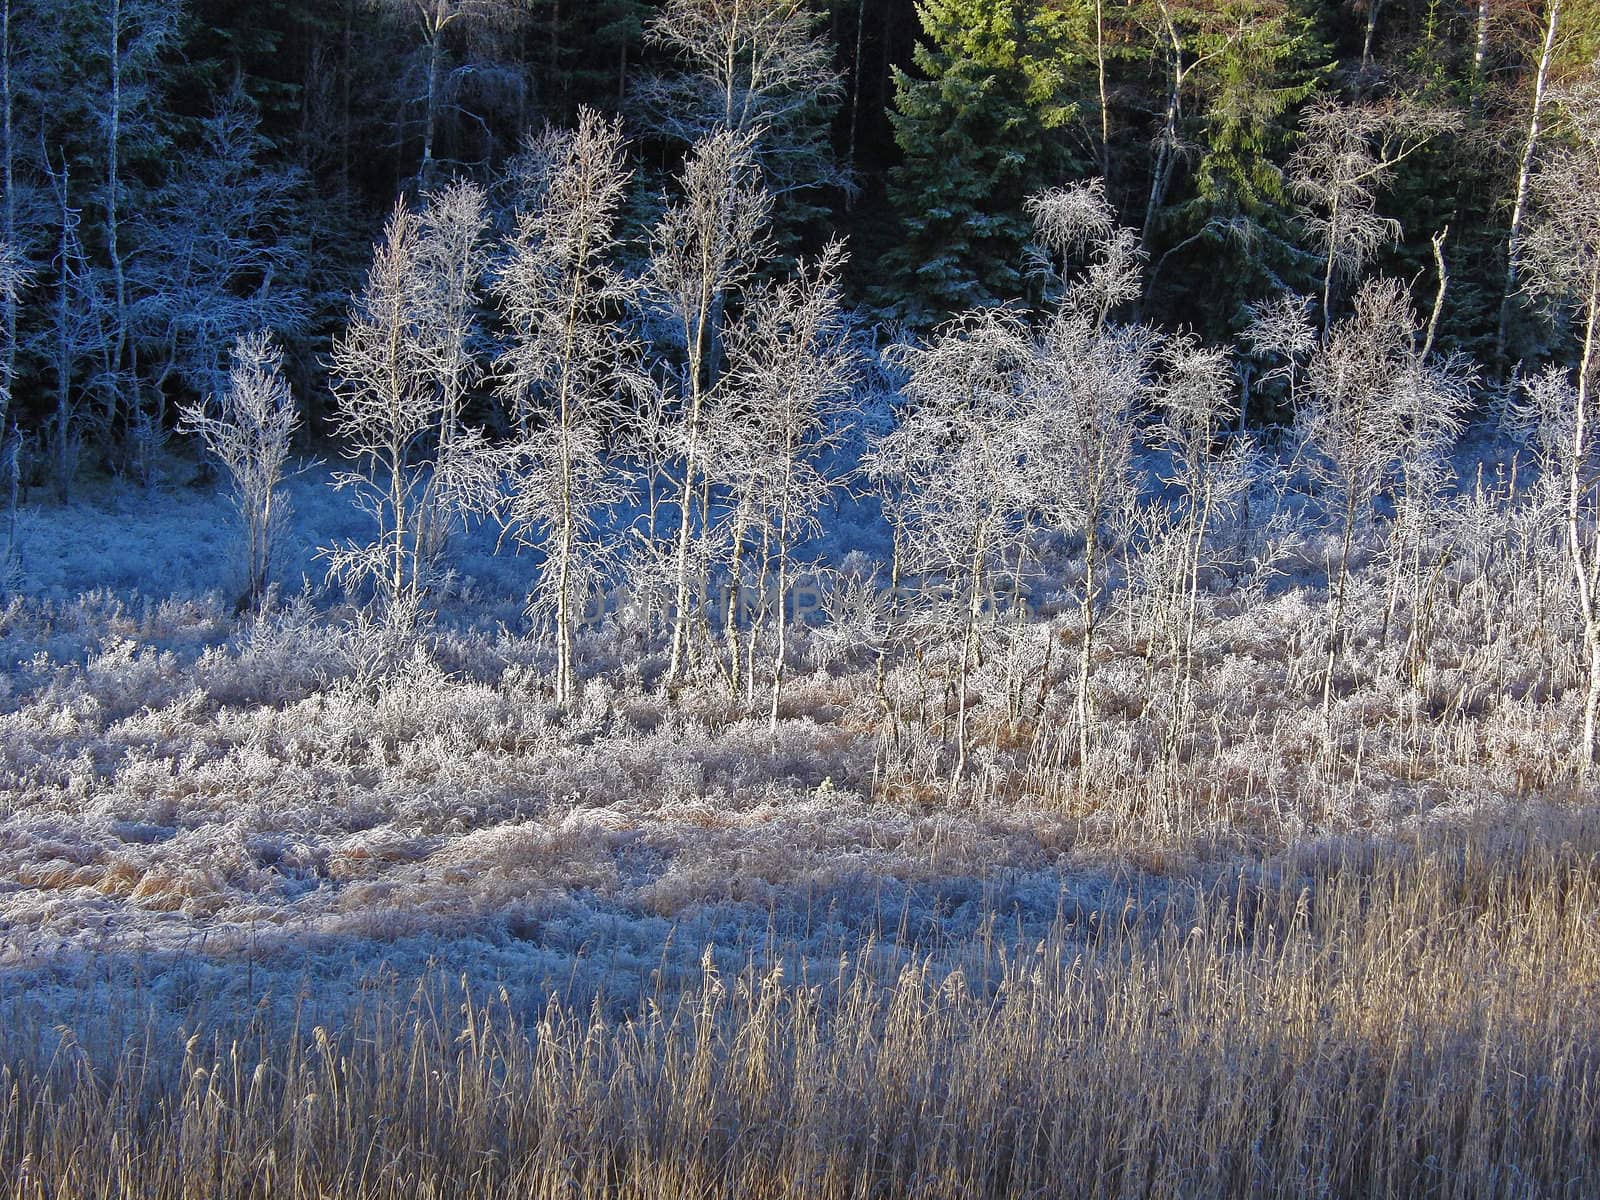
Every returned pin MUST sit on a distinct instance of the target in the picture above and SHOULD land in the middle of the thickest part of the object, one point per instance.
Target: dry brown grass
(1379, 1019)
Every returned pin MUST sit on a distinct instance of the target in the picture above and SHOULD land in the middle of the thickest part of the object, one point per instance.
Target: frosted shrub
(248, 429)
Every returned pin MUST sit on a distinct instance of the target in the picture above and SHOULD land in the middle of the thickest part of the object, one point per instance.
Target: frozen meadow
(293, 905)
(214, 797)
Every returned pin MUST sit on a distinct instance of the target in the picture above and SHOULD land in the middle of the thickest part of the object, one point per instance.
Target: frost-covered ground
(181, 787)
(207, 809)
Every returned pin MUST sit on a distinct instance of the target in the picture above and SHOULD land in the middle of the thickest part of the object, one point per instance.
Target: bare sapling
(1196, 391)
(567, 369)
(1347, 155)
(1432, 394)
(14, 277)
(953, 489)
(1376, 409)
(1562, 267)
(248, 429)
(1088, 379)
(790, 366)
(706, 246)
(402, 367)
(760, 69)
(1282, 336)
(434, 22)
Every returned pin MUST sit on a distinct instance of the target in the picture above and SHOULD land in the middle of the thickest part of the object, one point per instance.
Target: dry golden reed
(1383, 1019)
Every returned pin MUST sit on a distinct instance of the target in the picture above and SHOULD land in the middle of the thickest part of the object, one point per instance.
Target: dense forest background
(176, 174)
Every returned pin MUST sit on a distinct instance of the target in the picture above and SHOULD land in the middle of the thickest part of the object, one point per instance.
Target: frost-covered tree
(1347, 154)
(1562, 265)
(1526, 162)
(1013, 429)
(1376, 404)
(1196, 390)
(953, 490)
(756, 68)
(13, 278)
(434, 23)
(248, 428)
(76, 338)
(1089, 380)
(402, 368)
(790, 366)
(705, 247)
(567, 367)
(10, 252)
(221, 253)
(133, 33)
(1282, 337)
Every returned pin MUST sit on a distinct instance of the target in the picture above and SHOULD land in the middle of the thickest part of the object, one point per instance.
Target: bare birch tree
(134, 32)
(706, 245)
(1196, 389)
(1089, 379)
(565, 369)
(1377, 406)
(758, 68)
(401, 369)
(1563, 267)
(434, 21)
(14, 277)
(77, 338)
(790, 365)
(1347, 155)
(953, 490)
(1525, 166)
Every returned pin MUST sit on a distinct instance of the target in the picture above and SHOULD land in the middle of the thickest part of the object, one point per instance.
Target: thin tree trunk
(968, 635)
(1366, 40)
(564, 541)
(1519, 208)
(1335, 625)
(1327, 270)
(778, 655)
(1438, 297)
(566, 535)
(430, 113)
(691, 467)
(8, 353)
(63, 353)
(1105, 107)
(1480, 54)
(735, 600)
(113, 187)
(855, 96)
(1582, 548)
(1166, 155)
(1085, 704)
(346, 133)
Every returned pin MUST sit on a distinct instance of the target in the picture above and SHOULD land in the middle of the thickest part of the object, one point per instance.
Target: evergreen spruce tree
(1226, 240)
(979, 130)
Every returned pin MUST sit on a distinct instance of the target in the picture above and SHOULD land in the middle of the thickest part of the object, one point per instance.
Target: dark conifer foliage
(164, 155)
